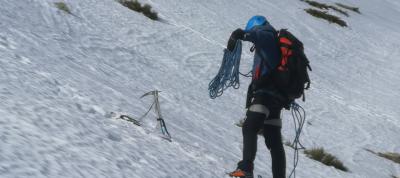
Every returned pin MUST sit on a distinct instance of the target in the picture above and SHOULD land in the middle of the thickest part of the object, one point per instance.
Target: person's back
(264, 39)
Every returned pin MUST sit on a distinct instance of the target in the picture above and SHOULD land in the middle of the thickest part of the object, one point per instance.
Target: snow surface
(62, 75)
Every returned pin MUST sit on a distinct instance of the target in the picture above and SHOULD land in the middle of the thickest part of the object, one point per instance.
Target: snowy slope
(62, 75)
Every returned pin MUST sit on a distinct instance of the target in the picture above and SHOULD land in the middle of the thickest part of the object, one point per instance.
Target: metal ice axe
(161, 122)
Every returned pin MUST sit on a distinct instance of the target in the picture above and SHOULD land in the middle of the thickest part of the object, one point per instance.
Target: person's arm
(239, 34)
(251, 36)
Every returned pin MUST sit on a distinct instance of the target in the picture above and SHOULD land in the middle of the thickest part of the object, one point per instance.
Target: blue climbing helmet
(255, 21)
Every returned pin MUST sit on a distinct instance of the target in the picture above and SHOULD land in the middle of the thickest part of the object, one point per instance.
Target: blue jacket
(267, 53)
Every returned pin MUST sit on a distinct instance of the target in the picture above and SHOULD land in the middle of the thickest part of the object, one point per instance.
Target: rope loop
(228, 74)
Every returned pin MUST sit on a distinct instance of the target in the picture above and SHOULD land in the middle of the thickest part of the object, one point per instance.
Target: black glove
(238, 34)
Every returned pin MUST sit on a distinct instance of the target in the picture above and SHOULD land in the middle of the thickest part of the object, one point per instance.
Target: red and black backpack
(291, 75)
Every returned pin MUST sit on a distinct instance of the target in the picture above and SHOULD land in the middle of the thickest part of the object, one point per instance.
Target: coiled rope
(299, 118)
(228, 74)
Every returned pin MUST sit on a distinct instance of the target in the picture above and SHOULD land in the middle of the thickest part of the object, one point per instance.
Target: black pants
(256, 120)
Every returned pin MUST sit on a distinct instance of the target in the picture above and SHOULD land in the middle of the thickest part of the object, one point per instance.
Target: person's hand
(238, 34)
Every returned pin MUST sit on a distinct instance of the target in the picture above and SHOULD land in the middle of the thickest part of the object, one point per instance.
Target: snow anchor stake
(161, 123)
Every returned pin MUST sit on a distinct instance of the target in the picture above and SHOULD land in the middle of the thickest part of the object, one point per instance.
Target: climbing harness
(228, 74)
(299, 118)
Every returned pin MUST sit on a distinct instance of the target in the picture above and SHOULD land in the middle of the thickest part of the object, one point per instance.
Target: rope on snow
(299, 118)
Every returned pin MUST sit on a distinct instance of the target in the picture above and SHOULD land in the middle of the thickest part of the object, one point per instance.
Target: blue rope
(299, 118)
(228, 74)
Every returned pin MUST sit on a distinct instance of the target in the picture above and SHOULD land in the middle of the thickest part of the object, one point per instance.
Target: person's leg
(256, 115)
(273, 140)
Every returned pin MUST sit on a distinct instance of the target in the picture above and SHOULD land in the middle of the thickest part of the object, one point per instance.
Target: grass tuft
(395, 157)
(339, 10)
(328, 17)
(320, 155)
(355, 9)
(325, 7)
(136, 6)
(146, 10)
(317, 4)
(62, 6)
